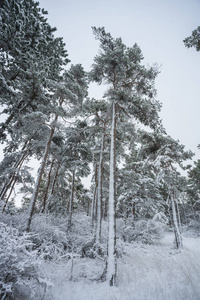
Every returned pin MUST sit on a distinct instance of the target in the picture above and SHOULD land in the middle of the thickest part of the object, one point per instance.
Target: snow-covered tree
(70, 92)
(193, 40)
(163, 155)
(29, 56)
(131, 90)
(193, 192)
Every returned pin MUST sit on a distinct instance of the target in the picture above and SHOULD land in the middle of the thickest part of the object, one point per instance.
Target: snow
(144, 272)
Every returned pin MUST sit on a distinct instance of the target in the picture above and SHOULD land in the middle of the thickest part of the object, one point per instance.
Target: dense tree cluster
(119, 139)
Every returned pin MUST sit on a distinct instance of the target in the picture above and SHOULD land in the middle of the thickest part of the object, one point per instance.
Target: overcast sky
(158, 27)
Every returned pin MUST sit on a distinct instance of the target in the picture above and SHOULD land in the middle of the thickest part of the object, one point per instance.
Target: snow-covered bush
(18, 262)
(53, 240)
(82, 237)
(50, 236)
(146, 231)
(193, 228)
(149, 233)
(17, 220)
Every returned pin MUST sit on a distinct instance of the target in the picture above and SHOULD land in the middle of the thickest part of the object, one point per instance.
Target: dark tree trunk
(93, 208)
(47, 188)
(177, 233)
(13, 181)
(71, 202)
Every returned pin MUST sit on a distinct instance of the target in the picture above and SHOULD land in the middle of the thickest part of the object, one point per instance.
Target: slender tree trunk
(13, 180)
(11, 190)
(177, 233)
(53, 187)
(179, 217)
(7, 185)
(71, 202)
(105, 213)
(88, 208)
(24, 155)
(93, 208)
(185, 215)
(111, 260)
(55, 180)
(39, 177)
(133, 213)
(133, 209)
(99, 192)
(47, 187)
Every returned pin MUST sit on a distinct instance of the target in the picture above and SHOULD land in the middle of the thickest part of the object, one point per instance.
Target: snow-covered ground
(144, 272)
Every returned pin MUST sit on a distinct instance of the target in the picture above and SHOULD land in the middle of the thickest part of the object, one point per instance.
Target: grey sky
(158, 27)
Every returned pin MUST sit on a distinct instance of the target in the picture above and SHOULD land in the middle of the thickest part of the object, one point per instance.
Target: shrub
(145, 231)
(50, 239)
(18, 262)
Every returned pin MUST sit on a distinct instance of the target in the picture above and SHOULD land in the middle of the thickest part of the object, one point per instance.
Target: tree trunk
(47, 187)
(52, 187)
(7, 185)
(71, 202)
(111, 260)
(24, 155)
(177, 233)
(39, 177)
(179, 217)
(11, 190)
(13, 180)
(99, 192)
(54, 180)
(93, 208)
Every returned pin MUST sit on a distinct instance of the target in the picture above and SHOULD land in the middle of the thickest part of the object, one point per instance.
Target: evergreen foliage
(193, 40)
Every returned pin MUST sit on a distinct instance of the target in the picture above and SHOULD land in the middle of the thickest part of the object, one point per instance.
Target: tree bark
(47, 187)
(177, 233)
(99, 191)
(52, 187)
(7, 185)
(179, 217)
(24, 155)
(111, 260)
(71, 202)
(93, 208)
(7, 199)
(12, 181)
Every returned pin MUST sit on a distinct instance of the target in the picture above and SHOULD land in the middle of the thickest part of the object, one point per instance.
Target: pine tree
(71, 90)
(29, 57)
(131, 89)
(193, 191)
(193, 40)
(163, 156)
(97, 112)
(31, 60)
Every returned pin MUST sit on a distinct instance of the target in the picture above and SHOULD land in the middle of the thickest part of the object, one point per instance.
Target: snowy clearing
(144, 272)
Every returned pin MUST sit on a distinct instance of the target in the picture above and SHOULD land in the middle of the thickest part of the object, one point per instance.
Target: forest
(143, 182)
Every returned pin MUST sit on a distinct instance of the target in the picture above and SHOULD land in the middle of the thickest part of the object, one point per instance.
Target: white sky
(158, 27)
